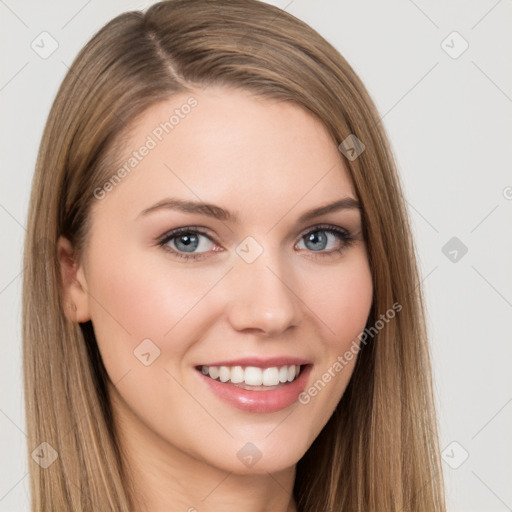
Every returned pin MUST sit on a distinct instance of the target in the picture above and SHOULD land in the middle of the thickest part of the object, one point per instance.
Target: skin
(269, 162)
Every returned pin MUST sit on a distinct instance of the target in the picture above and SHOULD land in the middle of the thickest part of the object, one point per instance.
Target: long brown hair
(379, 451)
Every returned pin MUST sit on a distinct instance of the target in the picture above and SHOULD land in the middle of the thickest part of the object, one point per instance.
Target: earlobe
(73, 283)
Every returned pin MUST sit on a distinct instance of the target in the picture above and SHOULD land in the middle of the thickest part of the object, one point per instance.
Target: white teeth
(237, 374)
(224, 373)
(271, 376)
(252, 375)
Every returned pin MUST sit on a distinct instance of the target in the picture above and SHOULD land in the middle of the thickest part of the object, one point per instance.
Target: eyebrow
(212, 210)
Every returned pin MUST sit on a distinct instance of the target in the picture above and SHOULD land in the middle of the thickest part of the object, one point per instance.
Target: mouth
(256, 389)
(252, 377)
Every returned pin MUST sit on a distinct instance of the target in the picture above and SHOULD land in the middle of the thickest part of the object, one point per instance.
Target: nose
(262, 298)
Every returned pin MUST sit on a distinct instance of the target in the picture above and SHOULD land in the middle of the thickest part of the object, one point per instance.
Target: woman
(221, 301)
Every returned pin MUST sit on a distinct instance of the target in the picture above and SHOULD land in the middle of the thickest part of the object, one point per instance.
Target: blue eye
(319, 239)
(186, 240)
(183, 242)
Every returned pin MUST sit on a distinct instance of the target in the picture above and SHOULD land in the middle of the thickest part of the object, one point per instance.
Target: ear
(74, 284)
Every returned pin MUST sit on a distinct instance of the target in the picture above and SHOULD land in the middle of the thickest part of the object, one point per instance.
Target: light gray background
(449, 121)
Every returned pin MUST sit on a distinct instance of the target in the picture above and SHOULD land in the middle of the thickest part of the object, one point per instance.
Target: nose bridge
(262, 297)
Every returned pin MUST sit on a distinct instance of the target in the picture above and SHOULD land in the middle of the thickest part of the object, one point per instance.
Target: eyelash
(343, 234)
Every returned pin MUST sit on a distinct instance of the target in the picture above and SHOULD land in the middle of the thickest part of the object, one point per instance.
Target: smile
(252, 375)
(254, 389)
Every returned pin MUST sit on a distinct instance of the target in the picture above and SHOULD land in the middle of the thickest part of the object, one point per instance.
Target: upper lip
(261, 362)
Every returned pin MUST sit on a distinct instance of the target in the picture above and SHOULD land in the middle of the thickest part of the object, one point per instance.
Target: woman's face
(247, 283)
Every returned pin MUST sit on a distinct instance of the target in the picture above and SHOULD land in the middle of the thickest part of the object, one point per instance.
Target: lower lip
(260, 401)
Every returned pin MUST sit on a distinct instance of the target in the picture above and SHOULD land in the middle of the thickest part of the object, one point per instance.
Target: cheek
(342, 304)
(134, 298)
(342, 300)
(146, 316)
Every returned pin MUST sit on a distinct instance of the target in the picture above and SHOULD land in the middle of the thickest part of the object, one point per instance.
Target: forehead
(230, 147)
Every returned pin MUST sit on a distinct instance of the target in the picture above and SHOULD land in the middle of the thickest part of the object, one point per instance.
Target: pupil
(189, 243)
(317, 240)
